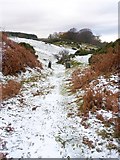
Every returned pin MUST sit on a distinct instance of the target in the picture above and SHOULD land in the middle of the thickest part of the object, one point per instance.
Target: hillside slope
(97, 89)
(45, 119)
(106, 60)
(16, 58)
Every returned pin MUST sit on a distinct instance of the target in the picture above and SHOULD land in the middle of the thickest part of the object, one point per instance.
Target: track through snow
(41, 127)
(35, 123)
(37, 118)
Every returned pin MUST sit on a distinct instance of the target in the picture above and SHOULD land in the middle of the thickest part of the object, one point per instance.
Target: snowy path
(41, 127)
(43, 132)
(35, 123)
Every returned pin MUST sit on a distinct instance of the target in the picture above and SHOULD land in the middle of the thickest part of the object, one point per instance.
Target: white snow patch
(83, 59)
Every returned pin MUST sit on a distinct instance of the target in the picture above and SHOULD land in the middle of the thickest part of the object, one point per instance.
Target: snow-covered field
(35, 123)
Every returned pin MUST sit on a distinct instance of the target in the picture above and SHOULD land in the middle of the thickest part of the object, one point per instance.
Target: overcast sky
(43, 17)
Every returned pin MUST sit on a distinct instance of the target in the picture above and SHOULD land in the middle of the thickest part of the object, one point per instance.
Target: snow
(83, 59)
(110, 84)
(39, 118)
(106, 114)
(46, 50)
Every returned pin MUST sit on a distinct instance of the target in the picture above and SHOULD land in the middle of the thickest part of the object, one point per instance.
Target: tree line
(82, 36)
(21, 35)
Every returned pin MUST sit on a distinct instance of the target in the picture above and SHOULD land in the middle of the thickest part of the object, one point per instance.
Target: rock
(34, 108)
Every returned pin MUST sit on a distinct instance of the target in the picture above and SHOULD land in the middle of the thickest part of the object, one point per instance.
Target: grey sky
(43, 17)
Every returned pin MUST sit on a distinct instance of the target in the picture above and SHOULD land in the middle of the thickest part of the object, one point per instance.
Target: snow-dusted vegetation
(60, 112)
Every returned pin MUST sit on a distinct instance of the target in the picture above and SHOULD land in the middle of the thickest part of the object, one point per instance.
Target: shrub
(105, 64)
(102, 100)
(10, 89)
(16, 58)
(108, 61)
(27, 46)
(81, 78)
(63, 56)
(82, 52)
(75, 63)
